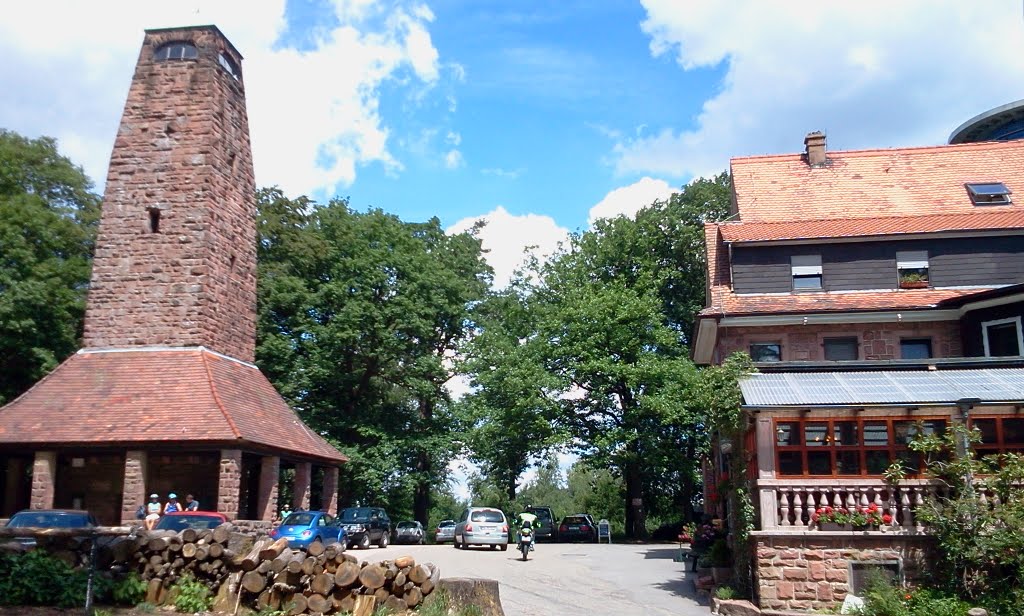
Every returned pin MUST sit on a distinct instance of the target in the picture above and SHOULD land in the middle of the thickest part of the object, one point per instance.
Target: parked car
(545, 527)
(482, 526)
(410, 532)
(302, 528)
(199, 520)
(445, 531)
(578, 527)
(49, 518)
(366, 525)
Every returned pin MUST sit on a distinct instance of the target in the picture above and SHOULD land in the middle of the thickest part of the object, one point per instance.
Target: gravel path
(569, 579)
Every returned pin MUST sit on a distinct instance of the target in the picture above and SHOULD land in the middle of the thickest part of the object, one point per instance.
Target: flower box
(913, 284)
(845, 527)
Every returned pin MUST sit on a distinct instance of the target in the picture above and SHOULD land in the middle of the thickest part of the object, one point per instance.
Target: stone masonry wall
(182, 155)
(877, 340)
(44, 469)
(230, 483)
(806, 573)
(134, 484)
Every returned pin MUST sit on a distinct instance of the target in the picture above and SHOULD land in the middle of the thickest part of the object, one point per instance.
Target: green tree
(48, 219)
(598, 492)
(360, 313)
(510, 410)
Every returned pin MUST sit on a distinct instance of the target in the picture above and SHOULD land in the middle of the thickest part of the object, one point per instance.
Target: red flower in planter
(887, 519)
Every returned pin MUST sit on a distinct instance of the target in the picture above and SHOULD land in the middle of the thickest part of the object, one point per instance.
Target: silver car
(482, 526)
(445, 531)
(409, 532)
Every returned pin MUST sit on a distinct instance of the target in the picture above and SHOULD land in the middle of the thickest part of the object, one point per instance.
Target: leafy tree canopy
(48, 219)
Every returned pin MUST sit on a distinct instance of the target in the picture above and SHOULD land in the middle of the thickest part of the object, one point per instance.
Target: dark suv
(546, 528)
(366, 525)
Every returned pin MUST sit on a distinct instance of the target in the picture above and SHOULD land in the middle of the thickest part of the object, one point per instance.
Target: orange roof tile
(863, 227)
(728, 303)
(874, 183)
(159, 395)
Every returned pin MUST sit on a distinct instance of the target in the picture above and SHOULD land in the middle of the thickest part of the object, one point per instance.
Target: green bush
(725, 593)
(130, 590)
(720, 554)
(191, 596)
(36, 578)
(885, 599)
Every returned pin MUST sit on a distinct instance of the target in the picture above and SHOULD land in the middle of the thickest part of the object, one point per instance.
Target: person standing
(191, 504)
(153, 511)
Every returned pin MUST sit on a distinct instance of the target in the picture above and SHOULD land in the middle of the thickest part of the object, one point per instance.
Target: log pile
(266, 574)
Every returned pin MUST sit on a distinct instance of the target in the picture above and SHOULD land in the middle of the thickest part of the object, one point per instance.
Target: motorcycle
(525, 541)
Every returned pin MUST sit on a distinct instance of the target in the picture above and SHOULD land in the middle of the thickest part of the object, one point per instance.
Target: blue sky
(536, 116)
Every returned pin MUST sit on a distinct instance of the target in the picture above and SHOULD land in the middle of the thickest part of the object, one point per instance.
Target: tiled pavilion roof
(157, 395)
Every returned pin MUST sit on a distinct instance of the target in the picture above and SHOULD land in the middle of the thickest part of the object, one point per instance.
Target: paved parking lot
(569, 579)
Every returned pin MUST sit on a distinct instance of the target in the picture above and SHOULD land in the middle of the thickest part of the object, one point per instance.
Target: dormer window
(989, 193)
(806, 272)
(912, 269)
(228, 64)
(176, 51)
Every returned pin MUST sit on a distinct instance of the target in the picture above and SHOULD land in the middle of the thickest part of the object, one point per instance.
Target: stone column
(330, 490)
(135, 462)
(300, 491)
(266, 503)
(44, 472)
(230, 483)
(765, 436)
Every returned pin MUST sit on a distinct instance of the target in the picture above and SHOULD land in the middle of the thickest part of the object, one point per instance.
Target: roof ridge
(981, 145)
(216, 396)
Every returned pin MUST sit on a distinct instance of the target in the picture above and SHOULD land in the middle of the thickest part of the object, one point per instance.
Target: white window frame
(805, 265)
(911, 260)
(1020, 334)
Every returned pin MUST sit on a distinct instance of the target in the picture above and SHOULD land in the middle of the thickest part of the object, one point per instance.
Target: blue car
(302, 528)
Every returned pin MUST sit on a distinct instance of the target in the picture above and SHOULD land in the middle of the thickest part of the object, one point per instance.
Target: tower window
(154, 220)
(228, 64)
(989, 193)
(176, 51)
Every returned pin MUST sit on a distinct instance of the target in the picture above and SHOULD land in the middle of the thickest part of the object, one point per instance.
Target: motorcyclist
(527, 521)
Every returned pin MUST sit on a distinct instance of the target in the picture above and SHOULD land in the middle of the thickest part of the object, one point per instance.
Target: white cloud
(628, 200)
(508, 238)
(510, 174)
(313, 114)
(453, 159)
(873, 74)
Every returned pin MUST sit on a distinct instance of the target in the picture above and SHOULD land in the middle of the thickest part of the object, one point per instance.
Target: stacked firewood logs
(257, 574)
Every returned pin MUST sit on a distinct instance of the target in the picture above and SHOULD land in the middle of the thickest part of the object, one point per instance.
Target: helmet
(527, 524)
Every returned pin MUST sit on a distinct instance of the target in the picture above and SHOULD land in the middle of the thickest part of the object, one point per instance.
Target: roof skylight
(989, 193)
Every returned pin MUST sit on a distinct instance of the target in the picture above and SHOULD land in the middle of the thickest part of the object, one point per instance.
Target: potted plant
(704, 566)
(686, 535)
(842, 518)
(721, 561)
(913, 280)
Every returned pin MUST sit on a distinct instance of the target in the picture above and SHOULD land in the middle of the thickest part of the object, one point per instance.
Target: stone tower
(175, 261)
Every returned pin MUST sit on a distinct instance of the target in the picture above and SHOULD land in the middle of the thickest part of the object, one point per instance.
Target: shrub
(129, 590)
(886, 599)
(720, 554)
(36, 578)
(725, 593)
(192, 596)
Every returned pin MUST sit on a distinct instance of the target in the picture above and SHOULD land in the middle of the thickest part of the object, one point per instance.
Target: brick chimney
(815, 149)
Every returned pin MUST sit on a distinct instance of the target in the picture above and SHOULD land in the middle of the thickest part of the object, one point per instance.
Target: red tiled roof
(726, 303)
(874, 183)
(861, 227)
(159, 395)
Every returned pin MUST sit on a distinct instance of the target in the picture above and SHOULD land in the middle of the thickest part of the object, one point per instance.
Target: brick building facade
(880, 294)
(164, 395)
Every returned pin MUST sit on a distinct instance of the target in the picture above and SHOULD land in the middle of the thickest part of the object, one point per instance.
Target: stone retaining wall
(811, 570)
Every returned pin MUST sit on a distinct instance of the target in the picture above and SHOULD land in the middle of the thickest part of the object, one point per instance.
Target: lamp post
(963, 446)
